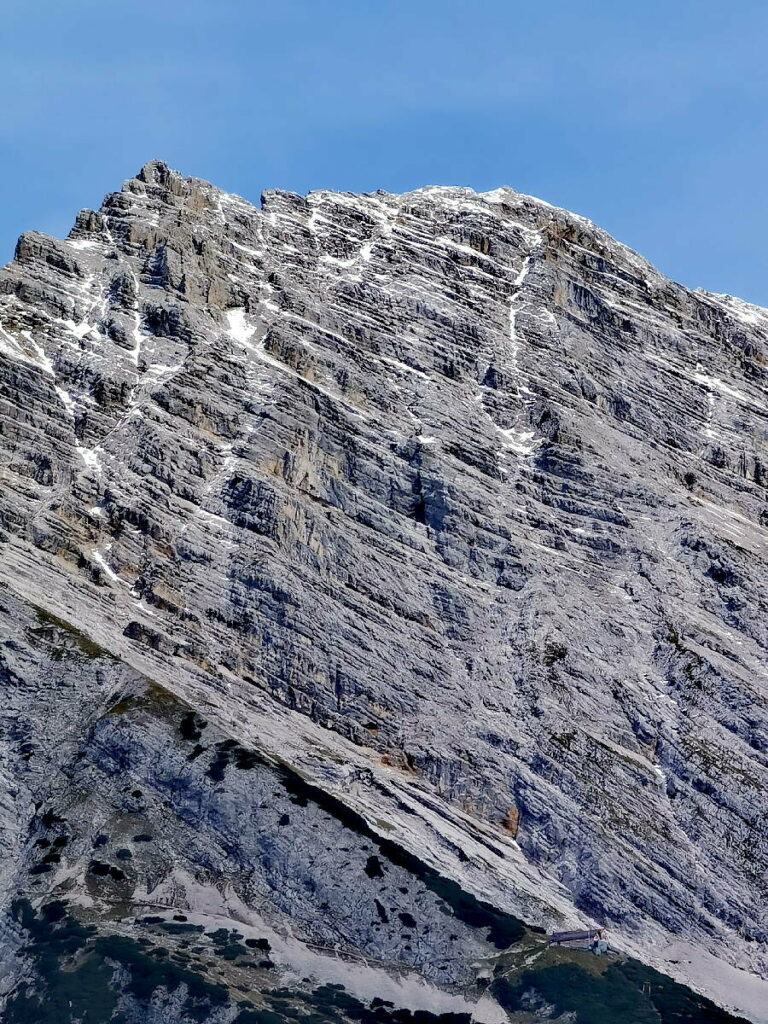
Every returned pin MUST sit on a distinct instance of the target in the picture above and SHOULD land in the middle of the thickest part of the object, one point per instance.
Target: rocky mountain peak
(157, 172)
(397, 564)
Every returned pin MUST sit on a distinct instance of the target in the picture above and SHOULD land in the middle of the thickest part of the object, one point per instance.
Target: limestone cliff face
(447, 505)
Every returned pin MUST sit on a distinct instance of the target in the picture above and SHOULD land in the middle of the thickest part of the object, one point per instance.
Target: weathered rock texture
(447, 502)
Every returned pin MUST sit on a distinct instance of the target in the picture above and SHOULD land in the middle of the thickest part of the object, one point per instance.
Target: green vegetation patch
(49, 624)
(75, 971)
(626, 991)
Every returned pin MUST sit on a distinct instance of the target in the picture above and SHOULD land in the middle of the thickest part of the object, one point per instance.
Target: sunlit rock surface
(397, 564)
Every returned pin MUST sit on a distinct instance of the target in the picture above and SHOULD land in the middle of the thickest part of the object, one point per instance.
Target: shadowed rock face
(446, 503)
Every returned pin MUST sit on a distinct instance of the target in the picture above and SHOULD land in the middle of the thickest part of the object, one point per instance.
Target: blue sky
(650, 118)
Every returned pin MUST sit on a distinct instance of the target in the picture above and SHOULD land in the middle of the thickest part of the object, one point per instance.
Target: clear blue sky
(649, 116)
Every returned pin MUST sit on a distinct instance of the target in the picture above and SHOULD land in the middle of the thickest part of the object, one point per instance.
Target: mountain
(383, 583)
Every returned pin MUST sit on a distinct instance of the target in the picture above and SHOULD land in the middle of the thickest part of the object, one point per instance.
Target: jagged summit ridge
(452, 484)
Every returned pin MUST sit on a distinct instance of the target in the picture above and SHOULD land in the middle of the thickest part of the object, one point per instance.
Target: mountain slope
(447, 504)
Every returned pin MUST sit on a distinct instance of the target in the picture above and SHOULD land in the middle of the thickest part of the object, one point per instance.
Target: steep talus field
(383, 584)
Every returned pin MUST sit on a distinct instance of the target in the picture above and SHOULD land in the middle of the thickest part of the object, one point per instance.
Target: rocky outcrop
(446, 504)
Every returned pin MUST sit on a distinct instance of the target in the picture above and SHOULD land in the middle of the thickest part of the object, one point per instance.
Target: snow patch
(79, 329)
(91, 458)
(66, 400)
(98, 557)
(239, 328)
